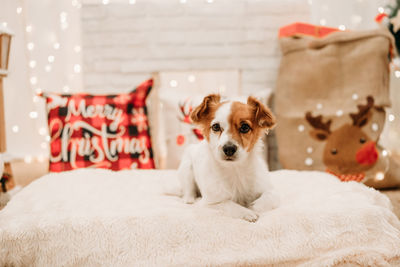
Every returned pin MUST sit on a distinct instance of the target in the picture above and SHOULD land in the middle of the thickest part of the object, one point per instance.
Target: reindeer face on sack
(348, 149)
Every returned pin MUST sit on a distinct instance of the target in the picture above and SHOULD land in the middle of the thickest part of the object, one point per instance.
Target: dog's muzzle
(229, 149)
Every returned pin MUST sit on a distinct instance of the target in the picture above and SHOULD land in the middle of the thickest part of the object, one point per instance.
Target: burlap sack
(343, 78)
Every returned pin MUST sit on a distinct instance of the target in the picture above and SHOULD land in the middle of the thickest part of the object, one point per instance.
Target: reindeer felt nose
(367, 154)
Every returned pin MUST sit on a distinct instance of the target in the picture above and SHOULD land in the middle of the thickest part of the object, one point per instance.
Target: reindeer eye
(362, 140)
(334, 151)
(215, 127)
(244, 128)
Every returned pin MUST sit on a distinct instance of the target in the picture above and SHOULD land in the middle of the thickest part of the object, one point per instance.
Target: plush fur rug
(104, 218)
(394, 196)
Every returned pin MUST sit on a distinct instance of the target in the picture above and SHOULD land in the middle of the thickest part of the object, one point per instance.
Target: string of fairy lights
(34, 79)
(33, 68)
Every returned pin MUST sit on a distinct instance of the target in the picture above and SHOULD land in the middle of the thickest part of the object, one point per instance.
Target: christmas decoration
(390, 17)
(331, 111)
(186, 108)
(7, 181)
(5, 44)
(4, 196)
(305, 29)
(348, 151)
(101, 131)
(396, 23)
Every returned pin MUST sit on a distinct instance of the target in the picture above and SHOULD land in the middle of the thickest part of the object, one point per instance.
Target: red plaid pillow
(100, 131)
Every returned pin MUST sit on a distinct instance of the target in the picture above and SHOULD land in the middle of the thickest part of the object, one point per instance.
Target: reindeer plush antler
(321, 129)
(186, 109)
(361, 117)
(317, 123)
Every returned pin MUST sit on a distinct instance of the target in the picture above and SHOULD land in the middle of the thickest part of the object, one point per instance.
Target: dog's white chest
(218, 182)
(241, 184)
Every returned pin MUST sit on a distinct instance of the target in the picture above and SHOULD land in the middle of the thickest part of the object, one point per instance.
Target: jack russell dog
(227, 169)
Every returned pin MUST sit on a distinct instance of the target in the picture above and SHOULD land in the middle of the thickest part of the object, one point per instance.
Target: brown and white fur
(227, 169)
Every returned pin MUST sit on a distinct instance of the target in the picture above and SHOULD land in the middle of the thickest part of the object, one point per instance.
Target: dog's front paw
(249, 215)
(266, 202)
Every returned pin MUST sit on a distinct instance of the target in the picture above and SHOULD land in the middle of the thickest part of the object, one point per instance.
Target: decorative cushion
(178, 129)
(100, 131)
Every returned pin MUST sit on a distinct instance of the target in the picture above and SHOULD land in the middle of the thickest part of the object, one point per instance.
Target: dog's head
(232, 128)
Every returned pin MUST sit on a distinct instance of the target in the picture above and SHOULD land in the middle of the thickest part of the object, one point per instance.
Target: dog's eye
(362, 140)
(334, 151)
(244, 128)
(215, 127)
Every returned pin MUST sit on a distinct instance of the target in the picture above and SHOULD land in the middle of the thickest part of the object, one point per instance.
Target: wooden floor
(25, 173)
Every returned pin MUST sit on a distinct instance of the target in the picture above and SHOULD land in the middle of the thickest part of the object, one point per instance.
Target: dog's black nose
(229, 149)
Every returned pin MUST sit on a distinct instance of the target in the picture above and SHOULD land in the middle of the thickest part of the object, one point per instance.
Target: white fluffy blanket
(104, 218)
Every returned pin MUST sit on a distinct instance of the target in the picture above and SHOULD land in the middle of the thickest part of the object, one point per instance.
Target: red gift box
(300, 28)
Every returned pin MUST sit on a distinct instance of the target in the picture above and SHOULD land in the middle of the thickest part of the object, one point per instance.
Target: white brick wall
(124, 43)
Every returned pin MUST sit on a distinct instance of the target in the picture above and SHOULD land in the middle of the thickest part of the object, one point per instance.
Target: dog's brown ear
(262, 115)
(203, 110)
